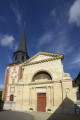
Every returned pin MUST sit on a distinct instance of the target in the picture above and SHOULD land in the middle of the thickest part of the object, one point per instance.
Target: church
(37, 83)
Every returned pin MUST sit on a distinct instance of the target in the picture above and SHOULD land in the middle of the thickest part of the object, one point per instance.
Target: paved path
(40, 115)
(48, 116)
(13, 115)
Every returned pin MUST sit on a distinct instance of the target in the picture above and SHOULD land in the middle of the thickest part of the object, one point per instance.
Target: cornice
(66, 80)
(56, 57)
(38, 83)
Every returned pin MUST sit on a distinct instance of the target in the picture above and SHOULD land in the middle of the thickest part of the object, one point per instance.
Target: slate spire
(21, 53)
(22, 44)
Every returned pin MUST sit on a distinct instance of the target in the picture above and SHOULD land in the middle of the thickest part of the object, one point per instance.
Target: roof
(77, 80)
(22, 44)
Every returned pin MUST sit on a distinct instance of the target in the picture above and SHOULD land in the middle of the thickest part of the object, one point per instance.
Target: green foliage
(31, 108)
(48, 109)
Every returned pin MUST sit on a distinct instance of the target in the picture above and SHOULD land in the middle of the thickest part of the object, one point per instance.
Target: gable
(42, 57)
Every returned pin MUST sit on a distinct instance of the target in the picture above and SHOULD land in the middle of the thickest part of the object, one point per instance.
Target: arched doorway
(41, 96)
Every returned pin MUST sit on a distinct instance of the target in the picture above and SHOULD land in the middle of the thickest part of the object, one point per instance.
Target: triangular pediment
(42, 57)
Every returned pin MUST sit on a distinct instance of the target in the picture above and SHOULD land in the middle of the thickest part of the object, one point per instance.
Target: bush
(48, 109)
(31, 108)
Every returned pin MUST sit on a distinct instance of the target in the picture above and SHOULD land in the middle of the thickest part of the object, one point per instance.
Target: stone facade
(25, 89)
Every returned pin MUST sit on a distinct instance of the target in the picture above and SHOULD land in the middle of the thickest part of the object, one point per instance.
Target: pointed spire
(22, 44)
(21, 55)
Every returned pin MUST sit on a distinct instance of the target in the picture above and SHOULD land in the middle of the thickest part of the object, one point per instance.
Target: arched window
(42, 75)
(11, 97)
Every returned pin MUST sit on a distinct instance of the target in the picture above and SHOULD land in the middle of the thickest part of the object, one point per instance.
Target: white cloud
(74, 13)
(15, 47)
(53, 13)
(1, 87)
(10, 60)
(17, 13)
(7, 40)
(57, 41)
(75, 62)
(2, 18)
(46, 38)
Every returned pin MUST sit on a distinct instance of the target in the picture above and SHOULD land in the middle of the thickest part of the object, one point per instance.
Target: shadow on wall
(1, 105)
(65, 111)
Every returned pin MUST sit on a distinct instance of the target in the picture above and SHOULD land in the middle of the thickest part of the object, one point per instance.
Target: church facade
(37, 83)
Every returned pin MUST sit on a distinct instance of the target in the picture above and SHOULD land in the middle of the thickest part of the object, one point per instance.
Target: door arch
(42, 75)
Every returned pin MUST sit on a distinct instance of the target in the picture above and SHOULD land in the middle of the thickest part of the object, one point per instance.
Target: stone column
(35, 97)
(47, 96)
(51, 95)
(30, 97)
(49, 89)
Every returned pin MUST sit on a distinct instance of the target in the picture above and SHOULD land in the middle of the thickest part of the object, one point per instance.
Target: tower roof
(22, 44)
(21, 54)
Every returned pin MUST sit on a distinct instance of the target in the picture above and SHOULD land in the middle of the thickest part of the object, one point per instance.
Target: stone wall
(59, 92)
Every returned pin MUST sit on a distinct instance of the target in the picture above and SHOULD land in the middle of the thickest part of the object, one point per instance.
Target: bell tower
(21, 54)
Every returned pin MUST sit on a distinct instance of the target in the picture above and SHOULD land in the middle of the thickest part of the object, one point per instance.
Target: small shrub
(48, 109)
(31, 108)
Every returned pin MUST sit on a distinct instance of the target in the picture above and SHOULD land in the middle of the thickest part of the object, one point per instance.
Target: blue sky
(51, 26)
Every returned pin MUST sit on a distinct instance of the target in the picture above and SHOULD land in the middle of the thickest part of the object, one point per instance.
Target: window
(78, 95)
(22, 57)
(16, 57)
(11, 97)
(42, 75)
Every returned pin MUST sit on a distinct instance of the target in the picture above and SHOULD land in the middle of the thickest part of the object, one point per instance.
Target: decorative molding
(56, 57)
(66, 80)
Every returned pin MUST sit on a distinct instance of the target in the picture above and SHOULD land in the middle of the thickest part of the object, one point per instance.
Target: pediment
(42, 57)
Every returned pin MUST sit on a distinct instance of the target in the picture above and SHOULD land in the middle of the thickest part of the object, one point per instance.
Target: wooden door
(41, 102)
